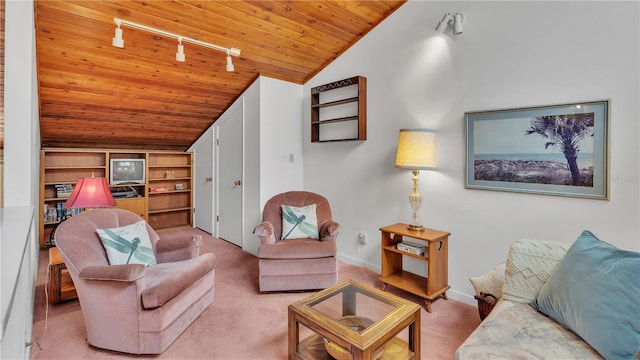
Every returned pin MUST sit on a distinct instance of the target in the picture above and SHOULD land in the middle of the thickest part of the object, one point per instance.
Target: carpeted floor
(241, 323)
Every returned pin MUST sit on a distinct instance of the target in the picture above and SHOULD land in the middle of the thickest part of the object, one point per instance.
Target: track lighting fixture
(119, 42)
(230, 66)
(455, 21)
(180, 53)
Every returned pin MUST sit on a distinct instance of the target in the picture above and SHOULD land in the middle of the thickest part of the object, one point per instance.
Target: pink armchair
(297, 264)
(132, 308)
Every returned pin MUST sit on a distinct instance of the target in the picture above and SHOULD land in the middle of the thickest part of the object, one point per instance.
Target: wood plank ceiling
(94, 95)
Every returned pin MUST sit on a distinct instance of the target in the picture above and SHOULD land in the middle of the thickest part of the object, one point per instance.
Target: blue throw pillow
(595, 292)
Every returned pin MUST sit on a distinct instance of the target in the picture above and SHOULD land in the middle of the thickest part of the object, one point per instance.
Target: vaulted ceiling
(95, 95)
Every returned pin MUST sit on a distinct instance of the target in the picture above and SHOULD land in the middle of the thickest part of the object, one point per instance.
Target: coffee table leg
(414, 336)
(294, 336)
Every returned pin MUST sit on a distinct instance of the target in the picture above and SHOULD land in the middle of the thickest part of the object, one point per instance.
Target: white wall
(19, 245)
(22, 131)
(280, 128)
(273, 123)
(21, 171)
(512, 54)
(252, 166)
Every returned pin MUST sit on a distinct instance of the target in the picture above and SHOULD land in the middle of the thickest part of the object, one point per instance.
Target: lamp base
(415, 227)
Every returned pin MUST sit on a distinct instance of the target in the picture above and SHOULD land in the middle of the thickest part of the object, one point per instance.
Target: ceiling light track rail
(180, 56)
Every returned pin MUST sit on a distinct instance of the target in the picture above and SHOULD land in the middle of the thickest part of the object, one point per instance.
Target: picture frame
(553, 150)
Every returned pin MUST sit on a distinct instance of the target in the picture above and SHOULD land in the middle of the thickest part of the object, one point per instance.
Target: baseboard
(353, 261)
(462, 297)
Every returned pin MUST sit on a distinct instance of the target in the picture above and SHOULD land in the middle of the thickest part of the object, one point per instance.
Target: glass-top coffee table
(354, 321)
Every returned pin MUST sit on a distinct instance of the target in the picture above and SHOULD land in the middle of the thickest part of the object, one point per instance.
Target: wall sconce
(416, 151)
(455, 21)
(118, 42)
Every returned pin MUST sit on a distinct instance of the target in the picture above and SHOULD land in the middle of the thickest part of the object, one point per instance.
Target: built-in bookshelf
(164, 200)
(169, 198)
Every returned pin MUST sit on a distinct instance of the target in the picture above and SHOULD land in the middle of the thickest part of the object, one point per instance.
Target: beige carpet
(241, 323)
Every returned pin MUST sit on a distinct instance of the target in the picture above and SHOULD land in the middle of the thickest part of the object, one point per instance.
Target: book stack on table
(410, 248)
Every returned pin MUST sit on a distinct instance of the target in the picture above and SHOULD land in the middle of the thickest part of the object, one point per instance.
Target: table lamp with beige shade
(416, 151)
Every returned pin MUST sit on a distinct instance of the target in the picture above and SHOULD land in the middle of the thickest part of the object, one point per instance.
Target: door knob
(237, 182)
(208, 178)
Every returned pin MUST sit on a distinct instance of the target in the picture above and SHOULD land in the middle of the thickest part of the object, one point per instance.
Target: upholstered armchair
(297, 263)
(135, 308)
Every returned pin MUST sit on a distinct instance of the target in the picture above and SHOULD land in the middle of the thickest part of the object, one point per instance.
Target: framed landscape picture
(554, 150)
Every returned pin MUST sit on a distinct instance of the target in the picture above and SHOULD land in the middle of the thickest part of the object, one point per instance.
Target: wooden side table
(436, 256)
(60, 286)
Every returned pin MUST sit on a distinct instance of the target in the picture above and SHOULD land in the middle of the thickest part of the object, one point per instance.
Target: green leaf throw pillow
(595, 292)
(128, 244)
(299, 222)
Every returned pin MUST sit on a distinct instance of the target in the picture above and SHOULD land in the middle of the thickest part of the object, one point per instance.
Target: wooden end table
(436, 256)
(60, 286)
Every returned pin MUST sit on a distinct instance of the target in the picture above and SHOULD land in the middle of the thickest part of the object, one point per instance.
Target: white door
(229, 174)
(203, 182)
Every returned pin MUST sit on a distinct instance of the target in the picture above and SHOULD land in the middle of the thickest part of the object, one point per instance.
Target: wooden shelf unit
(164, 170)
(64, 167)
(436, 256)
(136, 205)
(339, 110)
(172, 207)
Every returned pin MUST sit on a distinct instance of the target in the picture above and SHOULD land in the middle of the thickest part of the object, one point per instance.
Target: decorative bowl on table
(355, 323)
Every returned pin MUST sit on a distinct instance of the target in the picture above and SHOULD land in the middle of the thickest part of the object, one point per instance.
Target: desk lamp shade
(416, 151)
(90, 193)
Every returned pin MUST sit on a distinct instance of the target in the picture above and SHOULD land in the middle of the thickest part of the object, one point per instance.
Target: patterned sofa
(560, 301)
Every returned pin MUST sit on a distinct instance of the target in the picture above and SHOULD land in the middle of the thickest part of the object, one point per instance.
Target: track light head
(230, 66)
(457, 24)
(117, 40)
(442, 25)
(455, 21)
(180, 54)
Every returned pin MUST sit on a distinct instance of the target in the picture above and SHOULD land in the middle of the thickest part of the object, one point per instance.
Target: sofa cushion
(129, 244)
(528, 267)
(164, 281)
(491, 282)
(595, 292)
(516, 330)
(299, 222)
(298, 249)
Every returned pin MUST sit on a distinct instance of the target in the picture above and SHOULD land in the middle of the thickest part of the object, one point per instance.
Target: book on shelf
(64, 191)
(410, 248)
(55, 213)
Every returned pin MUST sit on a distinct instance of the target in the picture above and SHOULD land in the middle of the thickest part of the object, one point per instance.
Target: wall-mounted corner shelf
(339, 110)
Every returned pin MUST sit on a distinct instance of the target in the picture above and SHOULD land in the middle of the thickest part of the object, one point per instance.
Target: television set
(127, 171)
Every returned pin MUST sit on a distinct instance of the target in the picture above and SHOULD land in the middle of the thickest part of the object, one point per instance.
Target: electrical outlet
(362, 239)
